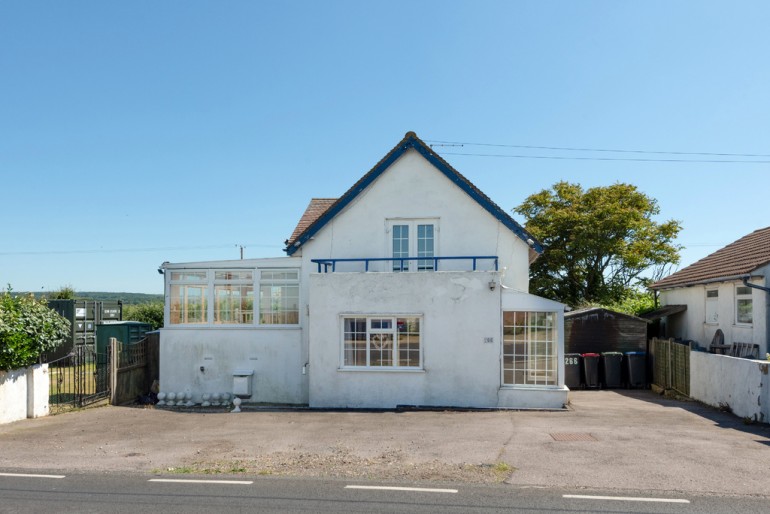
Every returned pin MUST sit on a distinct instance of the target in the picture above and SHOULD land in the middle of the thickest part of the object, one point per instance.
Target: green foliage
(64, 293)
(598, 241)
(151, 313)
(635, 302)
(28, 328)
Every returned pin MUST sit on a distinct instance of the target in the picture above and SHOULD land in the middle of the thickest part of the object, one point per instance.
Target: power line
(579, 149)
(632, 159)
(136, 250)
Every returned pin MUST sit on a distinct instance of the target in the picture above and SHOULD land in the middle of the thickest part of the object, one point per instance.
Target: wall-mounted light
(492, 285)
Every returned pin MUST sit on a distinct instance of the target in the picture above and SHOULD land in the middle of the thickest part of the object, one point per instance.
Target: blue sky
(133, 133)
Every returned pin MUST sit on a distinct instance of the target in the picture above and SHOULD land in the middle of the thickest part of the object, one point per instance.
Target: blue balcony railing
(402, 263)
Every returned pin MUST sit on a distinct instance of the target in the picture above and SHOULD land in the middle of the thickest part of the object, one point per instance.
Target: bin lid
(590, 355)
(636, 353)
(572, 355)
(610, 354)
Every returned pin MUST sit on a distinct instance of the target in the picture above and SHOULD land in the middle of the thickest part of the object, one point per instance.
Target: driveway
(608, 439)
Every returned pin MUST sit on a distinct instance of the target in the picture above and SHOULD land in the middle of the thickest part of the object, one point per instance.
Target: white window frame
(746, 294)
(265, 280)
(412, 224)
(183, 278)
(209, 284)
(712, 306)
(241, 279)
(396, 341)
(535, 378)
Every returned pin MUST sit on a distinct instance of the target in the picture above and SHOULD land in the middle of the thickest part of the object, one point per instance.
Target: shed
(596, 329)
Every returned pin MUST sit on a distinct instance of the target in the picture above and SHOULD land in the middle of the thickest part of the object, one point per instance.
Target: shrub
(151, 313)
(28, 328)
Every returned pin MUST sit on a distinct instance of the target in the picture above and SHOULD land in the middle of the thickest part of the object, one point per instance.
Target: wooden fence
(670, 365)
(134, 367)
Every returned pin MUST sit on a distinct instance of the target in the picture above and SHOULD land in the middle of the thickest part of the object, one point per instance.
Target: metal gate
(78, 379)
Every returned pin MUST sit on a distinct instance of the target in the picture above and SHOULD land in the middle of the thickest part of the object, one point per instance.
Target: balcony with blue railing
(405, 264)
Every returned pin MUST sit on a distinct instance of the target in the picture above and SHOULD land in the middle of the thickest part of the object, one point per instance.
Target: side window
(712, 306)
(188, 291)
(234, 297)
(744, 306)
(279, 297)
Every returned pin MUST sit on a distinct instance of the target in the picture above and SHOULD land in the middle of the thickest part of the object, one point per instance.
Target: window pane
(188, 276)
(355, 342)
(279, 298)
(743, 290)
(714, 293)
(400, 247)
(233, 275)
(529, 348)
(233, 304)
(408, 342)
(745, 314)
(425, 246)
(187, 304)
(380, 349)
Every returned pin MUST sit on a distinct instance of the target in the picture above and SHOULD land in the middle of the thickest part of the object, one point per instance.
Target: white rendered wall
(691, 324)
(459, 313)
(275, 356)
(411, 188)
(24, 393)
(742, 384)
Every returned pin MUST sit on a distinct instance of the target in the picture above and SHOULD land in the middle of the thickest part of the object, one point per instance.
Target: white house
(727, 290)
(409, 289)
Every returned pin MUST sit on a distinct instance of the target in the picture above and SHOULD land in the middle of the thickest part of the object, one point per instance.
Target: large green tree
(598, 242)
(149, 312)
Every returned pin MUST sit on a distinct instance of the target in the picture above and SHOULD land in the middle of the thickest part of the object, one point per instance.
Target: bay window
(529, 348)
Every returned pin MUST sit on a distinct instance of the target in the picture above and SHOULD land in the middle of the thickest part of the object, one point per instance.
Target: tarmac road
(608, 440)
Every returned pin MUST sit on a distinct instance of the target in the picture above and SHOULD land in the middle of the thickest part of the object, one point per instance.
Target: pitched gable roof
(410, 141)
(734, 260)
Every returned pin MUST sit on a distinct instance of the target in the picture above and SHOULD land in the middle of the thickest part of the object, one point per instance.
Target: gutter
(745, 280)
(710, 281)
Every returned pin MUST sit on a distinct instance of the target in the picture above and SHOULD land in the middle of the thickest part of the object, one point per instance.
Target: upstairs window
(744, 306)
(279, 297)
(187, 297)
(412, 238)
(712, 306)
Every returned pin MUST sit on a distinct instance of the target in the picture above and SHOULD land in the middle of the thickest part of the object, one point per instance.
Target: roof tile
(738, 258)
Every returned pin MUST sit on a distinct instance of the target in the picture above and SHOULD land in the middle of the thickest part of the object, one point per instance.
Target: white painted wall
(459, 311)
(691, 324)
(742, 384)
(413, 188)
(24, 393)
(275, 355)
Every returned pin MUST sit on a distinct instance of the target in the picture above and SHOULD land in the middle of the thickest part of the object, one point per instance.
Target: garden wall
(24, 393)
(741, 384)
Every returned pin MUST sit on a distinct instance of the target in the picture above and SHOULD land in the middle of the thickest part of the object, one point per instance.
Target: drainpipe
(746, 283)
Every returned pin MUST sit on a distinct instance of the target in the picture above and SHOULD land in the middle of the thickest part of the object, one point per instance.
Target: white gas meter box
(242, 382)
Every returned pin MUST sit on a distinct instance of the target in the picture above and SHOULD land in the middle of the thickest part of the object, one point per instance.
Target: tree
(151, 312)
(64, 293)
(598, 242)
(28, 328)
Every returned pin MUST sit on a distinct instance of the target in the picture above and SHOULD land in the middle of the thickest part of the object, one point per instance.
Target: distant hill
(127, 298)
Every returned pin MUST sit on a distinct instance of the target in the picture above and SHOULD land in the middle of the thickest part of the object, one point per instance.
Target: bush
(151, 313)
(28, 328)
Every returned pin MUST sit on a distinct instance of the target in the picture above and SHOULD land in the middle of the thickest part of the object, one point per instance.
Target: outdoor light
(492, 285)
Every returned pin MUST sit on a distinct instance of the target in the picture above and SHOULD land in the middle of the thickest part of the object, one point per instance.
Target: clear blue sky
(133, 133)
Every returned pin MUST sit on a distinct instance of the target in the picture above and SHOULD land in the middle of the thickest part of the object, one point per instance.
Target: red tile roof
(315, 209)
(736, 259)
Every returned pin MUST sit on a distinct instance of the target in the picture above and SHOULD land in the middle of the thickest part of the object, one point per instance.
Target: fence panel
(671, 365)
